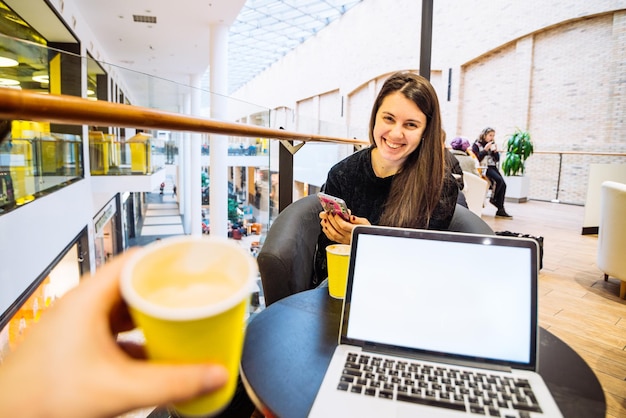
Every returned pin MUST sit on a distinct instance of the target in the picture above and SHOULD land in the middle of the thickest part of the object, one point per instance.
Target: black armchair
(286, 259)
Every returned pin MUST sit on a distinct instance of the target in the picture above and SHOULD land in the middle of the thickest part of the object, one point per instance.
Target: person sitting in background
(487, 153)
(402, 178)
(460, 148)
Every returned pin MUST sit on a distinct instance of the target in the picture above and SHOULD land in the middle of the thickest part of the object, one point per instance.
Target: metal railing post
(558, 179)
(286, 151)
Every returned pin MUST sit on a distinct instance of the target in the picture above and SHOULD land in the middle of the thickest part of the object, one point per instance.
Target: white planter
(517, 188)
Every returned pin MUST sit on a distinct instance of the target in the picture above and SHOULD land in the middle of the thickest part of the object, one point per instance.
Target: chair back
(475, 191)
(612, 230)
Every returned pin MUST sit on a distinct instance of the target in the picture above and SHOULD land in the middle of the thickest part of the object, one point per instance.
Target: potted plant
(518, 147)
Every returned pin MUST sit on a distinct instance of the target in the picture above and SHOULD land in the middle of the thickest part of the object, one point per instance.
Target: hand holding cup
(190, 295)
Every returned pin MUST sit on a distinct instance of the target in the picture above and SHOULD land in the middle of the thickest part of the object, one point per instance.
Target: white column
(237, 178)
(195, 181)
(524, 66)
(185, 197)
(219, 143)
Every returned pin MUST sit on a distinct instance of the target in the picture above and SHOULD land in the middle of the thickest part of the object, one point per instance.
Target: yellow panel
(55, 75)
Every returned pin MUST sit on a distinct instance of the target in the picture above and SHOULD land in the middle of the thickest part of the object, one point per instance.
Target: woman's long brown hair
(416, 188)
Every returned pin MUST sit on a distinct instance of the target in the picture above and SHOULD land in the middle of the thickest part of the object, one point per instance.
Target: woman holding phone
(402, 178)
(487, 153)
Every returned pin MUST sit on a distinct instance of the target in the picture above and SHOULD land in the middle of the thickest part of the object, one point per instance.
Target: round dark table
(289, 344)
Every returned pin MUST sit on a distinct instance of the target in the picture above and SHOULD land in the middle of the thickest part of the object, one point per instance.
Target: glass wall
(37, 157)
(24, 64)
(40, 157)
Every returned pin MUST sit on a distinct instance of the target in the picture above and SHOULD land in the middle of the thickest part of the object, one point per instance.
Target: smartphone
(334, 205)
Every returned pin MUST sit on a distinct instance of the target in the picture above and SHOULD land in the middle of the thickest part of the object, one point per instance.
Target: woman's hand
(70, 365)
(337, 229)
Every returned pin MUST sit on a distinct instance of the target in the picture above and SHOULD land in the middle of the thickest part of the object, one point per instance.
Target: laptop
(437, 324)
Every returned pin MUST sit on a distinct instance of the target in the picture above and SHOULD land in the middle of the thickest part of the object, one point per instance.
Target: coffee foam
(339, 249)
(193, 294)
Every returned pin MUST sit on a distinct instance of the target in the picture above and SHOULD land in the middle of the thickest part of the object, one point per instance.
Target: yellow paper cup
(190, 296)
(337, 260)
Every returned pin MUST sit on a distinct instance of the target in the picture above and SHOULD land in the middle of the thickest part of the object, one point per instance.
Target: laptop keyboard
(446, 387)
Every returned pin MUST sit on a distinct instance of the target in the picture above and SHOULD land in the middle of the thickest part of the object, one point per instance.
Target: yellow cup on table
(190, 295)
(337, 262)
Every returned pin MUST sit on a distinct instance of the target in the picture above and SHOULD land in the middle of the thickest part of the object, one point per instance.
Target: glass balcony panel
(49, 155)
(35, 161)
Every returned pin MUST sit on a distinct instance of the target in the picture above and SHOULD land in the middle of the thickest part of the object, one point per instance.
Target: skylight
(266, 30)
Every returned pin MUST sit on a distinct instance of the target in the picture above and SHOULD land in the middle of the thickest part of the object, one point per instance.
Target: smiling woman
(402, 178)
(398, 132)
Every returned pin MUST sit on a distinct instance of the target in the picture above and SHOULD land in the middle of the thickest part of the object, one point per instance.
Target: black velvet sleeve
(442, 215)
(354, 180)
(479, 152)
(455, 167)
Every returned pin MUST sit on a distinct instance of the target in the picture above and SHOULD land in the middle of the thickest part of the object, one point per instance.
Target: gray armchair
(286, 259)
(464, 220)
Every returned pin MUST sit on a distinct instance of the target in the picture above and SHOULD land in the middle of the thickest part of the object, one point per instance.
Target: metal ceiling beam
(426, 40)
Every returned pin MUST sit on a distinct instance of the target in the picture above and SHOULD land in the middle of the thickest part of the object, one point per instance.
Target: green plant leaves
(518, 148)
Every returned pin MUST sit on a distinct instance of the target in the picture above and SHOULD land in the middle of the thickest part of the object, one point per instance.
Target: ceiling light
(5, 82)
(8, 59)
(41, 77)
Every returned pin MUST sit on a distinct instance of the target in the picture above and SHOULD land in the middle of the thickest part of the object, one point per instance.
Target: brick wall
(564, 86)
(554, 68)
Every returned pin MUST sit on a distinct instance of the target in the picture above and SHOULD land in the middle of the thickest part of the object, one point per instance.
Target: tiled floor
(162, 219)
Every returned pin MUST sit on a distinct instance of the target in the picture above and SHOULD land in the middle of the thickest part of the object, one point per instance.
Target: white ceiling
(261, 32)
(174, 47)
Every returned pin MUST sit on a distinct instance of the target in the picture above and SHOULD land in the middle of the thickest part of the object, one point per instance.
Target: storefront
(108, 240)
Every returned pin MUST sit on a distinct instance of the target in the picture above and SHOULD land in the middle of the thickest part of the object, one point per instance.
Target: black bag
(517, 234)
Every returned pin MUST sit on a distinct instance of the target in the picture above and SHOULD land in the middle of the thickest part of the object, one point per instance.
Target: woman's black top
(353, 179)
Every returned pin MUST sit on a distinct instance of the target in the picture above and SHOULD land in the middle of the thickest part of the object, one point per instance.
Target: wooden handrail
(606, 154)
(28, 105)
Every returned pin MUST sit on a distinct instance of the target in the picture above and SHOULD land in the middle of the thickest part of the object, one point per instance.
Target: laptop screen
(465, 296)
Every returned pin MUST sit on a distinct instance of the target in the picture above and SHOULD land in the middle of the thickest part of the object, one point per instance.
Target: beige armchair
(475, 191)
(612, 233)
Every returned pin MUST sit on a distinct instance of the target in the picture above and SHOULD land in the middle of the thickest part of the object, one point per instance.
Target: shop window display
(30, 312)
(64, 276)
